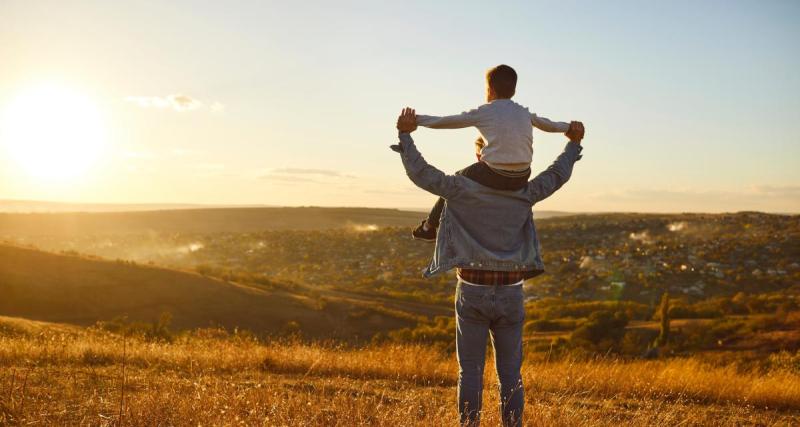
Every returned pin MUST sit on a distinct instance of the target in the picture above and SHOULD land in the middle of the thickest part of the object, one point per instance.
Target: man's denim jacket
(482, 228)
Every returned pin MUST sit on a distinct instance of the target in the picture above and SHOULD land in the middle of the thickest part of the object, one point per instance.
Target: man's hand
(575, 132)
(407, 122)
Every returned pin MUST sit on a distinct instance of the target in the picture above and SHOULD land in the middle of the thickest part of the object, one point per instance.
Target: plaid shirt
(493, 278)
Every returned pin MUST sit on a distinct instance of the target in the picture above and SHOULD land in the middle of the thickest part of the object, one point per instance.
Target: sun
(52, 132)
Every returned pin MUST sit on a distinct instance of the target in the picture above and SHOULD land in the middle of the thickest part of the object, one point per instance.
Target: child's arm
(458, 121)
(547, 125)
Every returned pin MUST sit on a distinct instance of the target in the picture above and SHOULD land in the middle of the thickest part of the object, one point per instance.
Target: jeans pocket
(468, 305)
(513, 308)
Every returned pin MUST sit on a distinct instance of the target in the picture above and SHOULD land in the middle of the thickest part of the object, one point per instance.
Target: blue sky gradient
(689, 106)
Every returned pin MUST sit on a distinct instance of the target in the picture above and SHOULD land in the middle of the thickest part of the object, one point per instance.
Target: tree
(663, 337)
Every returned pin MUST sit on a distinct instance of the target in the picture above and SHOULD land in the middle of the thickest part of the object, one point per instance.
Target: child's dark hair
(503, 80)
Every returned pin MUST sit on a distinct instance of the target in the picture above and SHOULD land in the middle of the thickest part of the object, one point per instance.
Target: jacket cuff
(405, 140)
(575, 148)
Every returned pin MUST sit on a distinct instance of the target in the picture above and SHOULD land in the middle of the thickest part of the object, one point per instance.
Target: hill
(588, 257)
(30, 206)
(206, 220)
(71, 289)
(199, 220)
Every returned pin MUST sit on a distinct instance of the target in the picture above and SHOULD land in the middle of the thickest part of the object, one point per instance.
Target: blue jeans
(499, 312)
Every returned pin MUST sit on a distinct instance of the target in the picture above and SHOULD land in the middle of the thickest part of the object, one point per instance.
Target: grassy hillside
(61, 375)
(587, 257)
(200, 220)
(43, 286)
(733, 279)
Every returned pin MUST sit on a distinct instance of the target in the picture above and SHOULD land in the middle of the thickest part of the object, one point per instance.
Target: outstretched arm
(547, 125)
(464, 120)
(418, 170)
(549, 181)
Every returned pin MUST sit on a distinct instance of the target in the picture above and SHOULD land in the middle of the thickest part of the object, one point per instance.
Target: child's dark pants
(481, 173)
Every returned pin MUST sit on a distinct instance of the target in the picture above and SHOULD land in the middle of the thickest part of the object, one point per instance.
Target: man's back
(495, 224)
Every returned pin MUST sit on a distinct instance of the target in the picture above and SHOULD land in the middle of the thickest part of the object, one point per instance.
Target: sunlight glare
(53, 132)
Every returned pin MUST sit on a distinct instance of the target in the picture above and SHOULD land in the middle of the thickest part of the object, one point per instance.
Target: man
(489, 236)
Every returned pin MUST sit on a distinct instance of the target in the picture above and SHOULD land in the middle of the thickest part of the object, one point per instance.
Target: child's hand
(407, 122)
(575, 132)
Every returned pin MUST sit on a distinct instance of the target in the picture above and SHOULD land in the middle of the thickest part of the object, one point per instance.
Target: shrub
(552, 308)
(158, 330)
(441, 330)
(601, 332)
(545, 325)
(636, 342)
(695, 311)
(292, 328)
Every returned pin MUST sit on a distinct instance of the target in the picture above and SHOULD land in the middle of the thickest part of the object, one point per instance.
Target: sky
(688, 106)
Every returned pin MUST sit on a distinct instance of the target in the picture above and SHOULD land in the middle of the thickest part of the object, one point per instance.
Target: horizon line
(171, 206)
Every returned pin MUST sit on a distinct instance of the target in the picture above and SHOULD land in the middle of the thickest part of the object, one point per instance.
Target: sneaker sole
(422, 239)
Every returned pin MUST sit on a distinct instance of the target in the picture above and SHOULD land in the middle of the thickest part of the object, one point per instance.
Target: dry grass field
(53, 374)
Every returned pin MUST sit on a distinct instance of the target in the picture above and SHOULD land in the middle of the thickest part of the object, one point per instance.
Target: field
(56, 374)
(311, 316)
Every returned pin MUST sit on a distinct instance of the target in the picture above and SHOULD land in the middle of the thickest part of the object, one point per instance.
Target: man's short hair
(479, 144)
(503, 80)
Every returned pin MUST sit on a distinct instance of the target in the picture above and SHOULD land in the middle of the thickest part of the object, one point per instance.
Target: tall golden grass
(71, 376)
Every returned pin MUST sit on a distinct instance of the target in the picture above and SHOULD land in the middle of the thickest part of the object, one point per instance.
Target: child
(506, 142)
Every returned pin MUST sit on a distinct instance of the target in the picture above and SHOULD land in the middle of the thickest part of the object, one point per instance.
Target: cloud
(296, 175)
(402, 192)
(208, 166)
(218, 107)
(177, 102)
(184, 103)
(792, 191)
(288, 179)
(318, 172)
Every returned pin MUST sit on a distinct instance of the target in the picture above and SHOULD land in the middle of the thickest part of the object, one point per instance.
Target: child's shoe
(422, 232)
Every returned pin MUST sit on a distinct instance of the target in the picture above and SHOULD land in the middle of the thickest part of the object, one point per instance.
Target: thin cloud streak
(287, 179)
(176, 102)
(319, 172)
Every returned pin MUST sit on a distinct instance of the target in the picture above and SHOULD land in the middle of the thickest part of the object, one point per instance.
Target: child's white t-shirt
(506, 127)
